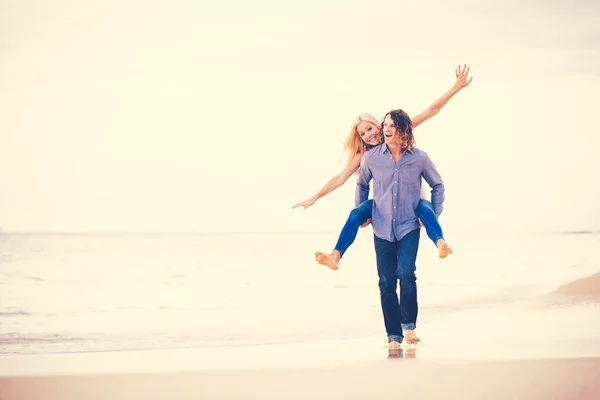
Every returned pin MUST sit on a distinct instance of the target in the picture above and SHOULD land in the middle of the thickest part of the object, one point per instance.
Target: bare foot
(330, 260)
(394, 345)
(410, 337)
(443, 248)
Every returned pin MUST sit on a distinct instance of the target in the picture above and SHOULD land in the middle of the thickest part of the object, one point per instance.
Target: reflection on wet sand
(407, 352)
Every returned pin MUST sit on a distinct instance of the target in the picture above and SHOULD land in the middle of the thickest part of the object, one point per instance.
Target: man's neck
(396, 150)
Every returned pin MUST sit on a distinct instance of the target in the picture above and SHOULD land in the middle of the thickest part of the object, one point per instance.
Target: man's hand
(367, 222)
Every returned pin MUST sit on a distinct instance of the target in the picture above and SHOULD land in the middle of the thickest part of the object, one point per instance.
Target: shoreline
(326, 353)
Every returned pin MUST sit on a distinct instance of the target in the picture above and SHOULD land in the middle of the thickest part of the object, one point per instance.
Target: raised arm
(334, 182)
(462, 81)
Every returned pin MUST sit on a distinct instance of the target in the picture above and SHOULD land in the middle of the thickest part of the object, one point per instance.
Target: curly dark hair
(404, 125)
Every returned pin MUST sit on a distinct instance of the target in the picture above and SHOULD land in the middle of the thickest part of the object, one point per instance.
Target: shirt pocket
(411, 185)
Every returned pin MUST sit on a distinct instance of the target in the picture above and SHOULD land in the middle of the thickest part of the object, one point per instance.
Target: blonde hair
(354, 144)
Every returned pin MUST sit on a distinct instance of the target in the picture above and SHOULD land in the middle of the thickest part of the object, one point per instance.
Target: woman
(364, 135)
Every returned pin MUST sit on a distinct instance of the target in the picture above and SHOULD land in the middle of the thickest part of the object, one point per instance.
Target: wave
(18, 338)
(15, 313)
(53, 343)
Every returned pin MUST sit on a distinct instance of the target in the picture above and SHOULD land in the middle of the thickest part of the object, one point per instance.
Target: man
(396, 168)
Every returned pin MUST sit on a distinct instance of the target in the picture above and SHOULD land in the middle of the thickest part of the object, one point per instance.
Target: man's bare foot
(394, 345)
(443, 248)
(330, 260)
(410, 337)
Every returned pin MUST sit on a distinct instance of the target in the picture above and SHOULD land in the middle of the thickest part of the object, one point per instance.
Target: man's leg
(406, 267)
(387, 256)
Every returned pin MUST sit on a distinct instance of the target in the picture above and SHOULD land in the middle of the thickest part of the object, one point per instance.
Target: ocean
(64, 293)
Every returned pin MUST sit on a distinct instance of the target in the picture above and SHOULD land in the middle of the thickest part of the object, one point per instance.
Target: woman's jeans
(362, 213)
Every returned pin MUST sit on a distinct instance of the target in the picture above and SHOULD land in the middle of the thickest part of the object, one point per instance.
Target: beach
(522, 326)
(523, 366)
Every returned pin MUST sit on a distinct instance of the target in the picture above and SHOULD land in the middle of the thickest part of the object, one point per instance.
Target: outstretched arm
(462, 81)
(334, 182)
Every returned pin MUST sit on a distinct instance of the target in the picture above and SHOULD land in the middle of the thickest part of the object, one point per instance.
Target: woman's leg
(427, 216)
(432, 226)
(358, 216)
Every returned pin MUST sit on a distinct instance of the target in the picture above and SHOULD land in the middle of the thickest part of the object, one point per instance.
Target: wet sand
(394, 377)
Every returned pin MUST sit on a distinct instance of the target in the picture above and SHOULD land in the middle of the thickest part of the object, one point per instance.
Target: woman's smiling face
(369, 133)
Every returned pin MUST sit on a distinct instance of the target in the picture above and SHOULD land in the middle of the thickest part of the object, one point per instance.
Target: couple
(396, 168)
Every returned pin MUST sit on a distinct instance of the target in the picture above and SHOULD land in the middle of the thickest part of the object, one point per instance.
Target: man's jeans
(396, 262)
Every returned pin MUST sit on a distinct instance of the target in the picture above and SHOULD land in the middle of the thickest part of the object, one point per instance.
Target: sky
(181, 115)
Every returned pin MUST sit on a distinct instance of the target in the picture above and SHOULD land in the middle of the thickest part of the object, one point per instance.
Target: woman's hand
(306, 203)
(462, 77)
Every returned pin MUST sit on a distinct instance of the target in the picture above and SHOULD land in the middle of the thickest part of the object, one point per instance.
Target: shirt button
(394, 181)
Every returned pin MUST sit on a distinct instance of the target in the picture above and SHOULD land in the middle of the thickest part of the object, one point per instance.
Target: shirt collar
(386, 149)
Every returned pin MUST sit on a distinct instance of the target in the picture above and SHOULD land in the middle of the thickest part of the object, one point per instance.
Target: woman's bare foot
(394, 345)
(443, 248)
(330, 260)
(410, 337)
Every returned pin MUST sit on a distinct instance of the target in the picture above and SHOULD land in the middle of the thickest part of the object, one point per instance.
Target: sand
(587, 286)
(401, 377)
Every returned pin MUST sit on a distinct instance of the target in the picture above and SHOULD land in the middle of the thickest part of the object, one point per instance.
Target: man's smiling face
(390, 132)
